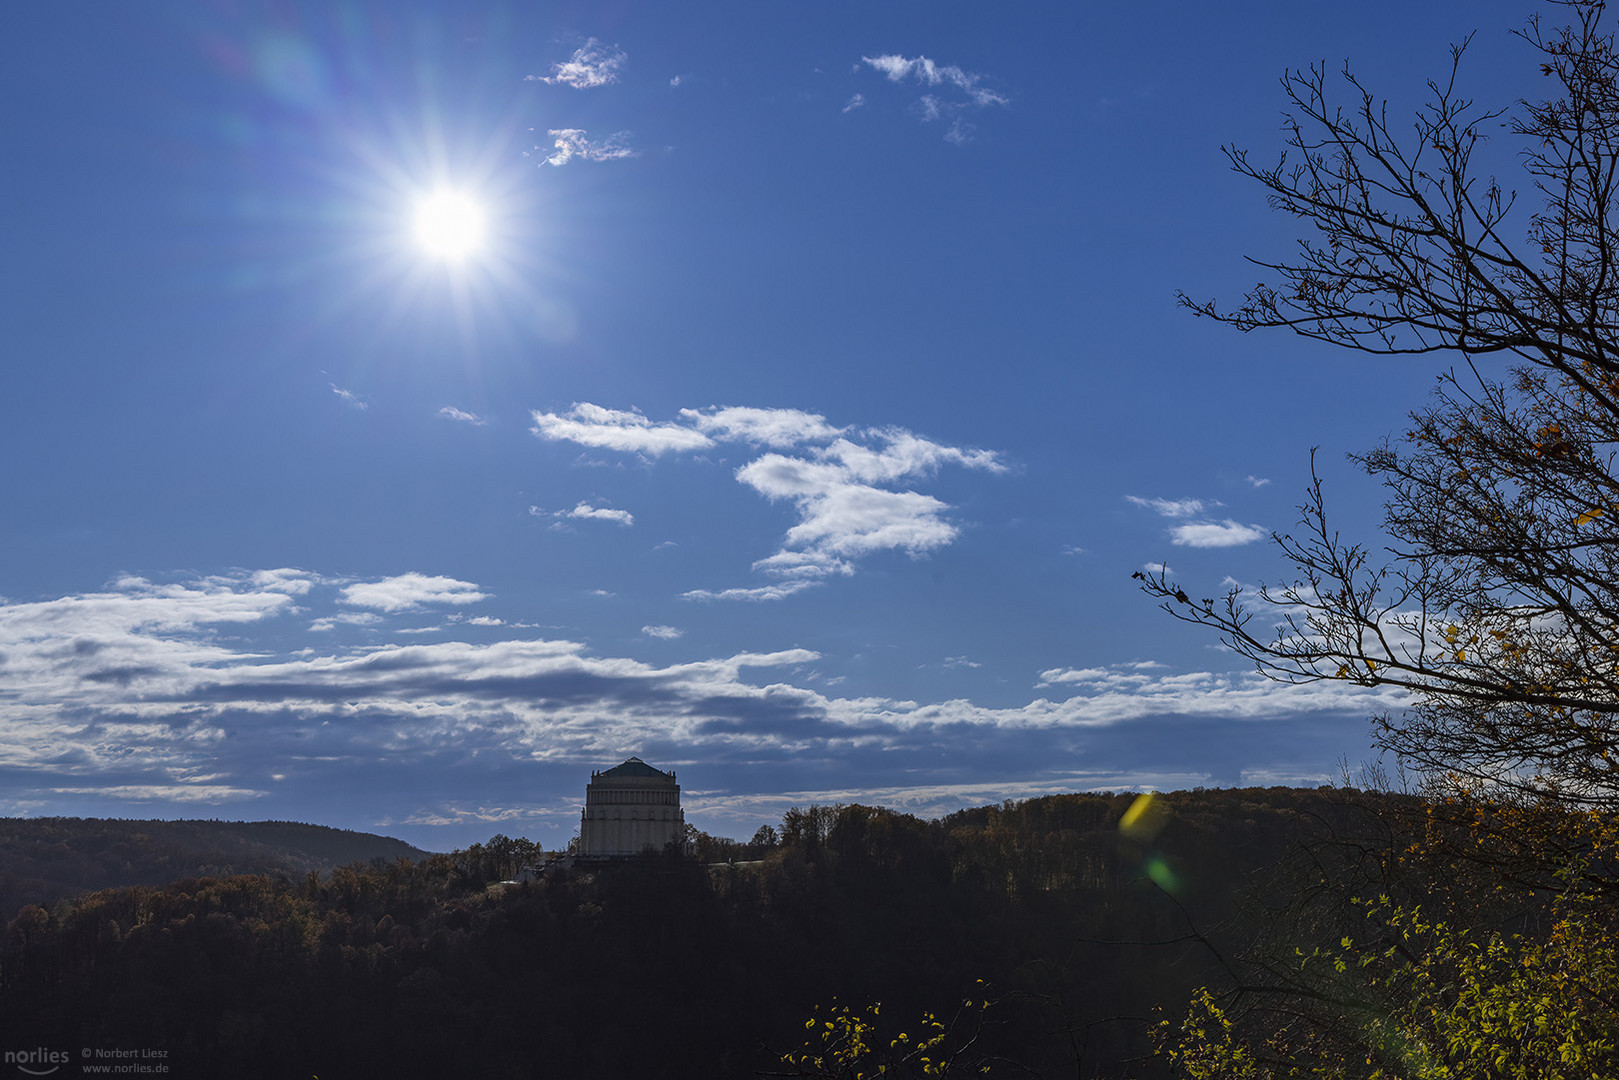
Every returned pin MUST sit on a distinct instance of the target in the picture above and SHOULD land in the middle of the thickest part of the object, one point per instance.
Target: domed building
(629, 809)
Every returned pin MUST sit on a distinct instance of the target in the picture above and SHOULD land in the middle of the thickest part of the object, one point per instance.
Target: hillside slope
(48, 859)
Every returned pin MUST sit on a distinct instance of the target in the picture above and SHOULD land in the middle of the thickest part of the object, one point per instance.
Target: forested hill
(46, 859)
(1062, 921)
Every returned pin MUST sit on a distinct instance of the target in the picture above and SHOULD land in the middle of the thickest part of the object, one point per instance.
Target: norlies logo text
(37, 1056)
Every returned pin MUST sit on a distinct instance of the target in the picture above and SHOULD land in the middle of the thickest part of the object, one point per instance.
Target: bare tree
(1496, 602)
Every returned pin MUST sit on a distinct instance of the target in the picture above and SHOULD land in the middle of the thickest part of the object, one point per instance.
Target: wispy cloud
(405, 592)
(1258, 481)
(663, 633)
(180, 793)
(570, 143)
(461, 416)
(593, 64)
(899, 68)
(959, 92)
(350, 398)
(851, 489)
(347, 618)
(1121, 692)
(1172, 508)
(855, 101)
(755, 594)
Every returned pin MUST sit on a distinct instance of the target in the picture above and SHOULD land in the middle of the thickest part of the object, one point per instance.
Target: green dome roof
(636, 767)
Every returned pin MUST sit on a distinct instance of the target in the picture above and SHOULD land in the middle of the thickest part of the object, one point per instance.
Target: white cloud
(804, 564)
(612, 429)
(675, 81)
(587, 512)
(967, 93)
(753, 595)
(184, 793)
(76, 649)
(843, 512)
(1171, 508)
(900, 454)
(570, 143)
(1258, 481)
(1286, 777)
(842, 483)
(1059, 676)
(450, 412)
(1200, 534)
(350, 397)
(348, 618)
(284, 579)
(770, 427)
(404, 592)
(845, 519)
(925, 71)
(484, 815)
(1212, 534)
(199, 690)
(854, 102)
(591, 65)
(663, 633)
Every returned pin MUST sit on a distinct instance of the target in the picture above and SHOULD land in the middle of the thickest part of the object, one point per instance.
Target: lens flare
(1145, 819)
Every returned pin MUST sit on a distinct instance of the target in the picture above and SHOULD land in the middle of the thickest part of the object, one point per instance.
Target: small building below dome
(629, 809)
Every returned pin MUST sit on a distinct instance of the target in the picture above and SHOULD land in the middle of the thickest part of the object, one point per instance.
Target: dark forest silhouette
(1079, 913)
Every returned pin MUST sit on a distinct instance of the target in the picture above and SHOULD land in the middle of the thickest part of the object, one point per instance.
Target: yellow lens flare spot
(449, 224)
(1145, 819)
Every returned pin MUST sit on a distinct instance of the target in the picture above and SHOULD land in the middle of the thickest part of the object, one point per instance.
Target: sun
(449, 224)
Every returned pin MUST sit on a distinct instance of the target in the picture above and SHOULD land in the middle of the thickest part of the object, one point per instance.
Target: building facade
(629, 809)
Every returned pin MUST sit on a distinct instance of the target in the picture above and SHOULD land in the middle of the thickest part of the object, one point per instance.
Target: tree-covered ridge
(48, 859)
(1080, 913)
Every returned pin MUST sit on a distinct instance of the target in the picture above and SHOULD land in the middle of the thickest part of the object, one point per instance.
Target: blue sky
(816, 390)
